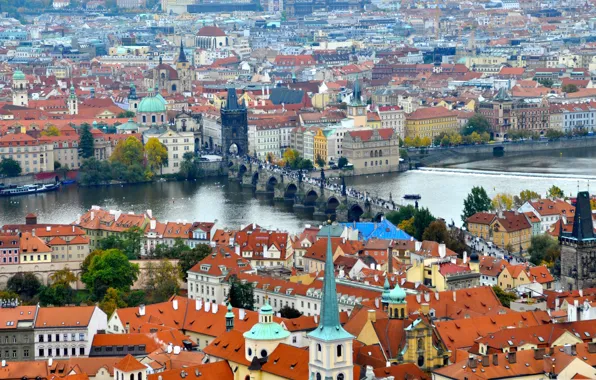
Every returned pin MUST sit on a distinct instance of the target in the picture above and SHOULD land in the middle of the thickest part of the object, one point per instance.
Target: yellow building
(373, 120)
(513, 276)
(511, 229)
(430, 122)
(34, 250)
(320, 146)
(479, 224)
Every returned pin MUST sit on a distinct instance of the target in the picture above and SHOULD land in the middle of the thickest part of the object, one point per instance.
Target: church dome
(130, 125)
(266, 329)
(397, 295)
(18, 75)
(151, 104)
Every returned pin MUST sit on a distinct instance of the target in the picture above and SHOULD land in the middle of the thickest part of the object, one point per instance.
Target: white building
(63, 332)
(177, 143)
(393, 117)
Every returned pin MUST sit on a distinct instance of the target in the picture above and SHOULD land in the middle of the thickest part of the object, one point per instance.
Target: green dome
(386, 291)
(397, 295)
(18, 75)
(130, 125)
(151, 104)
(266, 329)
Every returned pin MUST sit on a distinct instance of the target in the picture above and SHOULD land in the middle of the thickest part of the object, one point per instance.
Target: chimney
(417, 246)
(372, 316)
(512, 357)
(472, 362)
(141, 310)
(175, 304)
(539, 353)
(50, 362)
(170, 348)
(465, 257)
(485, 361)
(127, 327)
(198, 304)
(152, 224)
(495, 359)
(425, 308)
(92, 215)
(150, 214)
(241, 314)
(454, 296)
(581, 292)
(592, 347)
(176, 350)
(3, 363)
(237, 250)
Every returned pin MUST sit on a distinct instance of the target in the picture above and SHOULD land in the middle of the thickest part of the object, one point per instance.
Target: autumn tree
(52, 130)
(291, 157)
(555, 192)
(112, 301)
(157, 154)
(502, 202)
(63, 276)
(525, 196)
(161, 280)
(128, 152)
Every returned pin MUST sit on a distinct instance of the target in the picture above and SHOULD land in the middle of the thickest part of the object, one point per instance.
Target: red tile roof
(129, 364)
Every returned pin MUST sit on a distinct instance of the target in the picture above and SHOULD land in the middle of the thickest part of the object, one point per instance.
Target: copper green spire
(329, 326)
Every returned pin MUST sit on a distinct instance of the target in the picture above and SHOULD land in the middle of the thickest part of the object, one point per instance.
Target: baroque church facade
(174, 80)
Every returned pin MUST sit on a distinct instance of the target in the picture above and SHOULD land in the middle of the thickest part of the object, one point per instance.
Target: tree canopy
(86, 142)
(26, 285)
(544, 250)
(411, 220)
(52, 130)
(476, 201)
(502, 202)
(128, 152)
(157, 154)
(478, 124)
(189, 258)
(161, 281)
(241, 295)
(111, 269)
(555, 192)
(10, 167)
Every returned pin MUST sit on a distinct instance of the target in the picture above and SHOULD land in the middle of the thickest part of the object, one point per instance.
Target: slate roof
(281, 95)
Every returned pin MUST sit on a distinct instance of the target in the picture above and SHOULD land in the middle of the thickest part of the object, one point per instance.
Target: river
(442, 190)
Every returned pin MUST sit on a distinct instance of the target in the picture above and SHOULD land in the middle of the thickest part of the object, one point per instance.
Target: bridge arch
(311, 198)
(378, 217)
(291, 191)
(355, 212)
(271, 183)
(332, 204)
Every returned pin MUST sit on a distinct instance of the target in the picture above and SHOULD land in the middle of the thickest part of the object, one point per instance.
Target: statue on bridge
(343, 186)
(322, 178)
(300, 176)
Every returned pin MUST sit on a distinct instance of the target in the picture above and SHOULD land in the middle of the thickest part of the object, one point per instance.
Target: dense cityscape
(305, 190)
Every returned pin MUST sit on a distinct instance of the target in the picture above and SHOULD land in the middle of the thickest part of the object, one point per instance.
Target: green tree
(525, 196)
(411, 220)
(109, 270)
(476, 201)
(157, 154)
(544, 250)
(112, 301)
(503, 296)
(189, 168)
(126, 114)
(436, 231)
(555, 192)
(341, 162)
(52, 130)
(26, 285)
(320, 161)
(57, 295)
(422, 219)
(87, 261)
(95, 172)
(241, 295)
(161, 281)
(289, 312)
(10, 167)
(86, 149)
(305, 164)
(553, 134)
(129, 242)
(478, 124)
(190, 258)
(128, 152)
(403, 213)
(163, 251)
(502, 202)
(569, 88)
(546, 82)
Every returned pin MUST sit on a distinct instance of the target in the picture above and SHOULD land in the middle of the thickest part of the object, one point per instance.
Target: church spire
(182, 55)
(329, 325)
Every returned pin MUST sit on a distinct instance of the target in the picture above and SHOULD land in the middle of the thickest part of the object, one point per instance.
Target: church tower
(184, 71)
(398, 307)
(72, 102)
(234, 126)
(330, 351)
(356, 108)
(20, 96)
(133, 99)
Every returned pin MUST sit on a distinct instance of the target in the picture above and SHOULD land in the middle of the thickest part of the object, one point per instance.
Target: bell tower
(184, 71)
(72, 102)
(330, 351)
(356, 108)
(20, 96)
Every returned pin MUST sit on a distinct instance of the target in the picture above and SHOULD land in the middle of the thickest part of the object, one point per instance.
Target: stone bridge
(324, 201)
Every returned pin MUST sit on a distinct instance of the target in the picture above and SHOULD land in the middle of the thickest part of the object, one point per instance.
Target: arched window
(153, 119)
(163, 75)
(319, 349)
(339, 350)
(249, 351)
(340, 376)
(402, 313)
(247, 377)
(263, 353)
(132, 376)
(174, 88)
(162, 118)
(372, 154)
(380, 153)
(318, 376)
(140, 376)
(144, 119)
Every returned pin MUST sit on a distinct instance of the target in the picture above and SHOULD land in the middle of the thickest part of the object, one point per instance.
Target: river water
(442, 191)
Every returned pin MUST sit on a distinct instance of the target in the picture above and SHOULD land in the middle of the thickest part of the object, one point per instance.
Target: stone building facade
(372, 151)
(234, 126)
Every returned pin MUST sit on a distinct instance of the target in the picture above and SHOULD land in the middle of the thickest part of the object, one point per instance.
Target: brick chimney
(472, 363)
(495, 359)
(485, 361)
(539, 353)
(31, 219)
(512, 357)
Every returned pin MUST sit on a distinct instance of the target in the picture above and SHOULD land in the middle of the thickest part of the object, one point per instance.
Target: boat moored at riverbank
(28, 189)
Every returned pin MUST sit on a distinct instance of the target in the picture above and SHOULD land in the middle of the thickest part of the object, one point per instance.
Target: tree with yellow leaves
(52, 130)
(157, 154)
(502, 202)
(128, 152)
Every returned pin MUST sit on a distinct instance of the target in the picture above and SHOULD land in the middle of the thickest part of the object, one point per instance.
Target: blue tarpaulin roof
(381, 230)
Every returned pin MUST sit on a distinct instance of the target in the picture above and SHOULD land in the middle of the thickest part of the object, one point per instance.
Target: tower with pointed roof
(184, 70)
(133, 99)
(234, 126)
(578, 248)
(20, 96)
(72, 102)
(330, 350)
(356, 108)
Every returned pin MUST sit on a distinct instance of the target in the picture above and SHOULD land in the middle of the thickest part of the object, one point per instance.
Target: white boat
(28, 189)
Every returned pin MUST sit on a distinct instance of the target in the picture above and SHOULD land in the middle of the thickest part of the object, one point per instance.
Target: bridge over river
(328, 197)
